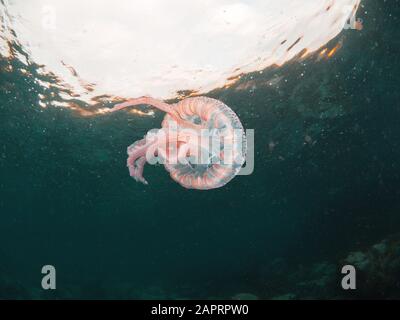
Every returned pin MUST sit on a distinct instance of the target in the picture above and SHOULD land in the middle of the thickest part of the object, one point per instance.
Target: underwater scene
(106, 186)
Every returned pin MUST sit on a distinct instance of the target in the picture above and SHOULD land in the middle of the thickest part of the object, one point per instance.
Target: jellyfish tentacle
(137, 159)
(138, 154)
(167, 108)
(140, 150)
(140, 167)
(136, 168)
(170, 109)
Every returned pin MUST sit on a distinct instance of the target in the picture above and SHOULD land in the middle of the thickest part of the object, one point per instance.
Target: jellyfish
(201, 143)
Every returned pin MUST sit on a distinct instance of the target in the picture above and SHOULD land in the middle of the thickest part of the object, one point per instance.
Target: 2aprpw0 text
(207, 309)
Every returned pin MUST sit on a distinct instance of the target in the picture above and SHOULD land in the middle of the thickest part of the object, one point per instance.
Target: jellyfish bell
(160, 48)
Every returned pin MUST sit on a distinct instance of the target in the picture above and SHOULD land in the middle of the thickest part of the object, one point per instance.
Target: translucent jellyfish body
(201, 143)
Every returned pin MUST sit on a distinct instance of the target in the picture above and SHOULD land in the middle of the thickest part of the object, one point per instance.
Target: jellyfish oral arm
(145, 100)
(137, 160)
(136, 168)
(138, 154)
(165, 107)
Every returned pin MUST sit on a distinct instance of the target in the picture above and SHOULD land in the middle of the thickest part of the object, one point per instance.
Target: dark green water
(330, 186)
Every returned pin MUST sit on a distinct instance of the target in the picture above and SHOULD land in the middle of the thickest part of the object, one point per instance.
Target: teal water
(326, 183)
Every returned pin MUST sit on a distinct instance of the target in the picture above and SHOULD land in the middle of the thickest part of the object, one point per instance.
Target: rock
(358, 259)
(245, 296)
(287, 296)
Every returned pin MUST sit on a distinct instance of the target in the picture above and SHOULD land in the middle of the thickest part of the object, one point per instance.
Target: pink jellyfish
(201, 144)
